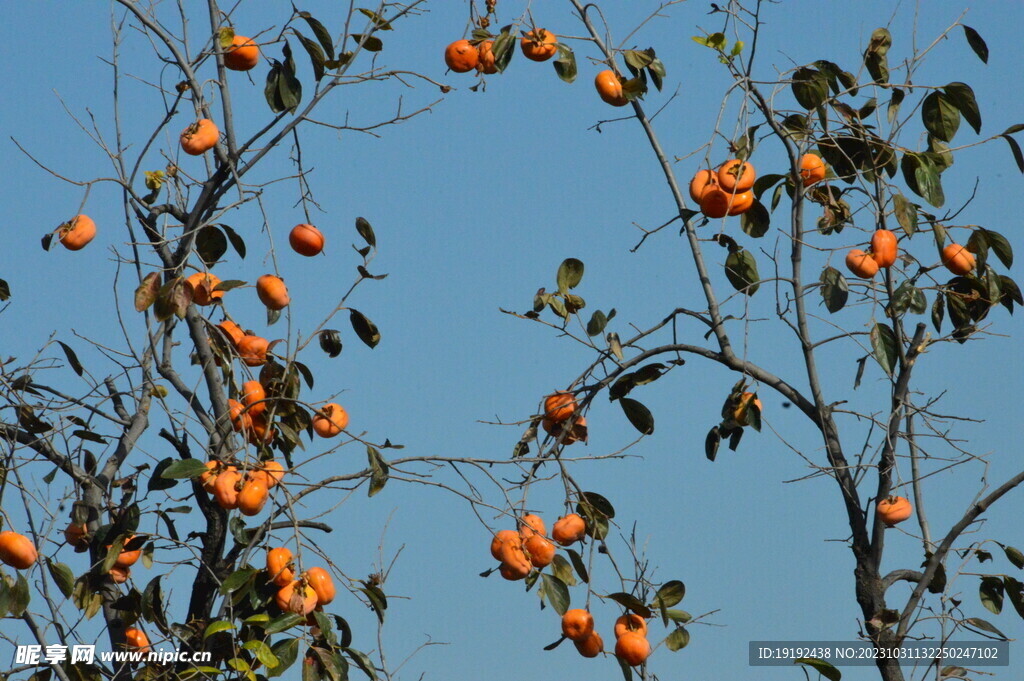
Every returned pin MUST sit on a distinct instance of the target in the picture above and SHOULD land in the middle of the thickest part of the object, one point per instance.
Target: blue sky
(475, 204)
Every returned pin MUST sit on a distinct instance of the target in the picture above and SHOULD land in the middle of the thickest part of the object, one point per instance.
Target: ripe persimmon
(461, 56)
(742, 412)
(136, 639)
(574, 431)
(736, 176)
(232, 331)
(486, 63)
(861, 264)
(199, 137)
(320, 580)
(225, 489)
(259, 432)
(17, 550)
(128, 558)
(715, 202)
(242, 55)
(701, 182)
(296, 598)
(203, 284)
(577, 624)
(212, 469)
(559, 406)
(271, 472)
(632, 648)
(252, 497)
(272, 292)
(609, 87)
(539, 44)
(279, 566)
(330, 420)
(514, 572)
(77, 232)
(530, 525)
(77, 537)
(630, 622)
(240, 419)
(740, 203)
(812, 169)
(569, 530)
(120, 575)
(591, 646)
(500, 538)
(306, 240)
(894, 510)
(540, 550)
(253, 396)
(253, 350)
(884, 247)
(958, 259)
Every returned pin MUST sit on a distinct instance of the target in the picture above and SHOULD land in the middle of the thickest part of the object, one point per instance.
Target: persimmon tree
(857, 158)
(184, 407)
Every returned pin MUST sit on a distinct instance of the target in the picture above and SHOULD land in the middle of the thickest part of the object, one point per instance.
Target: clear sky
(475, 204)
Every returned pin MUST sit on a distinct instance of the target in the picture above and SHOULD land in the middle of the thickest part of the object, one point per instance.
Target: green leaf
(362, 661)
(579, 565)
(379, 22)
(262, 651)
(1000, 245)
(186, 468)
(211, 245)
(364, 328)
(371, 43)
(378, 601)
(565, 64)
(557, 593)
(237, 579)
(5, 291)
(217, 627)
(503, 49)
(378, 470)
(906, 213)
(1014, 556)
(741, 271)
(990, 591)
(570, 273)
(979, 623)
(76, 366)
(316, 55)
(598, 322)
(237, 242)
(834, 290)
(638, 415)
(678, 639)
(283, 622)
(1015, 150)
(755, 221)
(561, 569)
(884, 347)
(977, 43)
(810, 87)
(669, 594)
(62, 576)
(286, 651)
(962, 97)
(940, 116)
(711, 443)
(631, 602)
(922, 176)
(821, 666)
(20, 596)
(366, 231)
(894, 104)
(321, 33)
